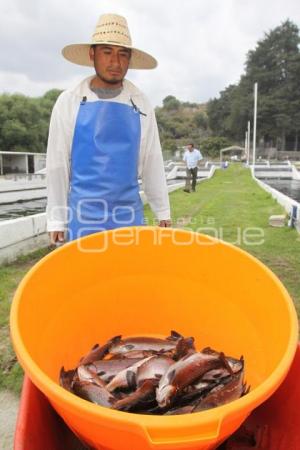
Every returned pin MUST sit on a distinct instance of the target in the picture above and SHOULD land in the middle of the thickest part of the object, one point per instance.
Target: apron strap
(136, 108)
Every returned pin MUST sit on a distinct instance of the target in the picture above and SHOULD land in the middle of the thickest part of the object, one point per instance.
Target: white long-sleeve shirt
(61, 130)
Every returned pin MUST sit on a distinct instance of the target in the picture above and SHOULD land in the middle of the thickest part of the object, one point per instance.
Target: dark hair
(191, 144)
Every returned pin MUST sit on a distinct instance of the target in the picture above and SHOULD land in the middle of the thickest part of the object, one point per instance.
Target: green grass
(11, 373)
(231, 206)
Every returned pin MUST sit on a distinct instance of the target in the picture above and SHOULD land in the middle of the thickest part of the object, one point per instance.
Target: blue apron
(104, 189)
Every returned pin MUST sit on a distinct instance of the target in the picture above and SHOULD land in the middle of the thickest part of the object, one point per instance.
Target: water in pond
(291, 188)
(22, 208)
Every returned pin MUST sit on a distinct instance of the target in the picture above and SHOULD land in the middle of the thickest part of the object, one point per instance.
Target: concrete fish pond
(135, 281)
(156, 376)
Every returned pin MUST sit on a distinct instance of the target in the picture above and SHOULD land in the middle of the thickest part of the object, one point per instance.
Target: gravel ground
(8, 415)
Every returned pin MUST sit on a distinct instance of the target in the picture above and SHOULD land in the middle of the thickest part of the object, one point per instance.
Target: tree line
(275, 65)
(24, 121)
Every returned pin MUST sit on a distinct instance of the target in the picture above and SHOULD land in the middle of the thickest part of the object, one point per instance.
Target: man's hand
(165, 223)
(57, 237)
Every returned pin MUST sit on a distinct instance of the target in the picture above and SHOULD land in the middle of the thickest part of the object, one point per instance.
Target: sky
(200, 45)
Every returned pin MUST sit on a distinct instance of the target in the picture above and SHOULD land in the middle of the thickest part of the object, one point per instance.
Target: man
(191, 157)
(102, 135)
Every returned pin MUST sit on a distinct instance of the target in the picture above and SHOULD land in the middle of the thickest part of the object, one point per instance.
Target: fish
(235, 364)
(66, 378)
(153, 369)
(133, 354)
(93, 393)
(142, 393)
(98, 352)
(107, 369)
(142, 343)
(194, 391)
(156, 376)
(185, 346)
(185, 372)
(87, 373)
(230, 389)
(217, 374)
(174, 336)
(122, 379)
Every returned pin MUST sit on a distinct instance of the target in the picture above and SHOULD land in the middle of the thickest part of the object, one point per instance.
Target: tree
(181, 122)
(211, 146)
(170, 103)
(219, 111)
(275, 65)
(201, 120)
(24, 121)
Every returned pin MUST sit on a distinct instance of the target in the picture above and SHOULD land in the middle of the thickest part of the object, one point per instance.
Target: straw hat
(111, 29)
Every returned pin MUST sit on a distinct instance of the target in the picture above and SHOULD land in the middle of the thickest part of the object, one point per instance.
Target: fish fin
(110, 378)
(116, 338)
(131, 379)
(226, 363)
(242, 361)
(246, 389)
(174, 336)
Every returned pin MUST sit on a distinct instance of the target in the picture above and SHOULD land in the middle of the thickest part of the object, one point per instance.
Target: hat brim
(79, 54)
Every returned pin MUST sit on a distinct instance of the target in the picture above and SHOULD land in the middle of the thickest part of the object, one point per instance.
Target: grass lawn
(230, 206)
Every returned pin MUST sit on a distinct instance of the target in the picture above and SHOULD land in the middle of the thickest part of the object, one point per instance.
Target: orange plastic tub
(147, 281)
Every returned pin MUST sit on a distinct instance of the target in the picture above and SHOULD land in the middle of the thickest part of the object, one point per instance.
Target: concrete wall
(282, 199)
(22, 188)
(287, 170)
(179, 171)
(273, 153)
(296, 173)
(21, 236)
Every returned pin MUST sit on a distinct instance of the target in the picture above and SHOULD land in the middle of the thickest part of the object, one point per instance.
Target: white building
(21, 162)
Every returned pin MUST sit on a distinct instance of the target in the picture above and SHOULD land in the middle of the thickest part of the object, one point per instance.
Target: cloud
(201, 46)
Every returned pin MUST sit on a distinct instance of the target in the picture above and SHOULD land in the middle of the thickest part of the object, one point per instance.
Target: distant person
(191, 157)
(103, 134)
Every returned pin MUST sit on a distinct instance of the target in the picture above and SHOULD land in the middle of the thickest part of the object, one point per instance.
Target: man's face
(111, 63)
(190, 148)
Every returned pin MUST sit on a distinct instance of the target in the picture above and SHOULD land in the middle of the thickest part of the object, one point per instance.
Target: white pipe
(248, 144)
(254, 124)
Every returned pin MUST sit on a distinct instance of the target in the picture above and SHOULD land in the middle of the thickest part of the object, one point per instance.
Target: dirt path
(8, 414)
